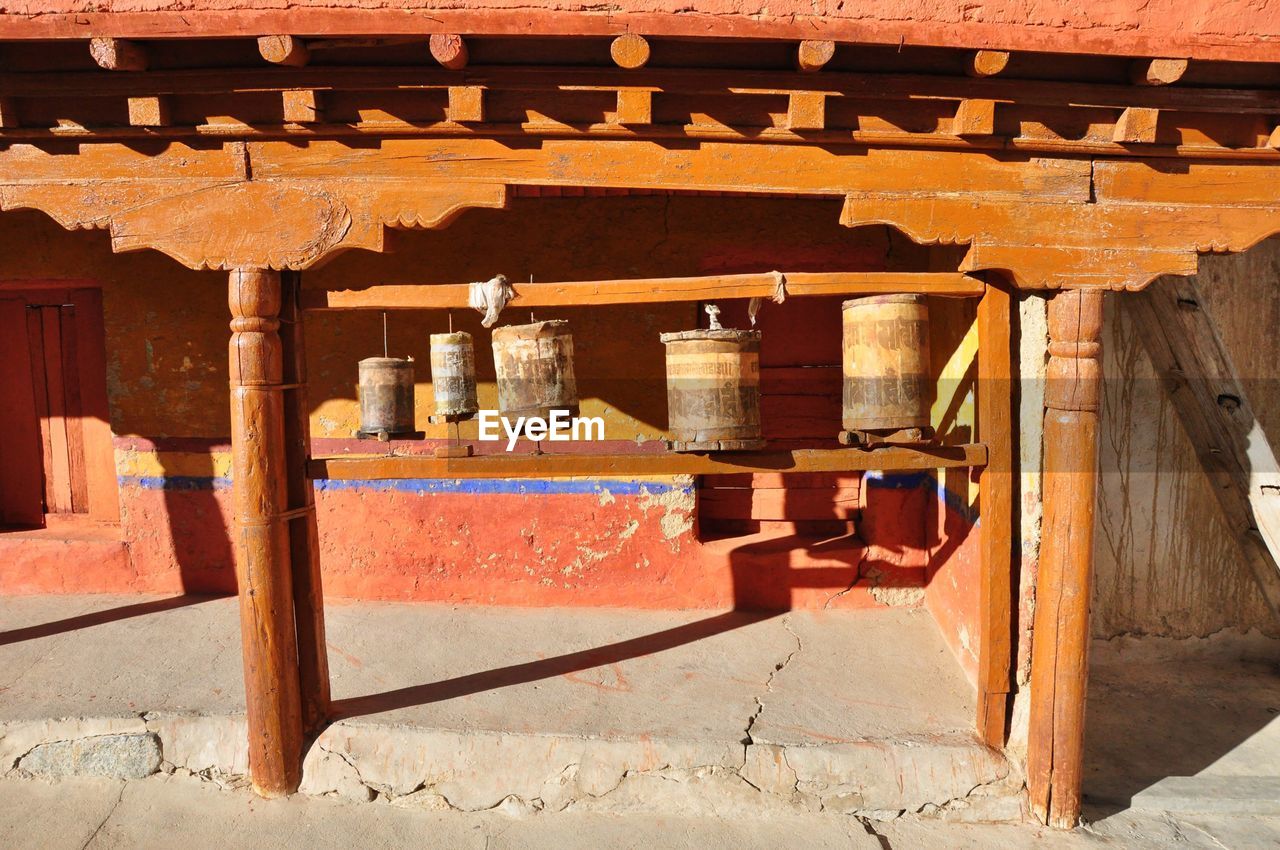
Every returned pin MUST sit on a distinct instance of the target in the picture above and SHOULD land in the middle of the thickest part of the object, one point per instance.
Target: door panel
(21, 473)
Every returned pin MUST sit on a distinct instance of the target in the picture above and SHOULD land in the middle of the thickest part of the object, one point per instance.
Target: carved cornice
(1047, 223)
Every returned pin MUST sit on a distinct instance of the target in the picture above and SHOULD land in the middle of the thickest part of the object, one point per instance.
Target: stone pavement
(164, 812)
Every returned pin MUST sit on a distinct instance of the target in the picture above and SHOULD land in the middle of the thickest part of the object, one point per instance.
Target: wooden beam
(635, 106)
(806, 110)
(304, 537)
(1187, 352)
(116, 54)
(148, 111)
(813, 55)
(986, 63)
(648, 291)
(1136, 125)
(630, 51)
(667, 463)
(975, 118)
(1157, 72)
(997, 423)
(1060, 640)
(284, 50)
(261, 532)
(449, 50)
(466, 104)
(301, 106)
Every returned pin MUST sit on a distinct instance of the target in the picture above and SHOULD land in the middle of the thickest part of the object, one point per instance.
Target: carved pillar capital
(1073, 375)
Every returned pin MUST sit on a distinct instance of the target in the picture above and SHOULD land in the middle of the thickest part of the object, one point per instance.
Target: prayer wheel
(888, 388)
(534, 365)
(386, 398)
(713, 390)
(453, 376)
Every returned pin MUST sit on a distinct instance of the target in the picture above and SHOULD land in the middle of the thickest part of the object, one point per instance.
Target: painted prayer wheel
(713, 390)
(453, 376)
(386, 398)
(888, 388)
(534, 365)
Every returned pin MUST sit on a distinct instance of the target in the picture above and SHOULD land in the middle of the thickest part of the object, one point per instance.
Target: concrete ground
(162, 812)
(475, 708)
(120, 727)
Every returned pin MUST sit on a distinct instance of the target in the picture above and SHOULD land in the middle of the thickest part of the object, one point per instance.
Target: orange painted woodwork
(630, 51)
(117, 54)
(438, 296)
(625, 465)
(262, 536)
(987, 63)
(996, 425)
(812, 55)
(304, 535)
(1060, 647)
(1157, 72)
(449, 50)
(284, 50)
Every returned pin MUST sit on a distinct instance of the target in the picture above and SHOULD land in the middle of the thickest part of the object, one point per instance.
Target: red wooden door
(21, 468)
(56, 456)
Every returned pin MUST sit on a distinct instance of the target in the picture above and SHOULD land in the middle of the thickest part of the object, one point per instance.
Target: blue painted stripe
(422, 486)
(955, 502)
(175, 482)
(504, 486)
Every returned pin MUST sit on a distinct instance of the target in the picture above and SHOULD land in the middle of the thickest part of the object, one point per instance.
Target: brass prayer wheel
(453, 376)
(386, 398)
(888, 388)
(534, 365)
(713, 390)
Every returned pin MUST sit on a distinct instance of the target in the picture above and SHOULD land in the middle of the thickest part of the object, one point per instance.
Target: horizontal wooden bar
(874, 86)
(647, 291)
(613, 465)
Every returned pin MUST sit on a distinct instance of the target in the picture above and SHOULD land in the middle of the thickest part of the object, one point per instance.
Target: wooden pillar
(262, 533)
(999, 544)
(1060, 641)
(304, 538)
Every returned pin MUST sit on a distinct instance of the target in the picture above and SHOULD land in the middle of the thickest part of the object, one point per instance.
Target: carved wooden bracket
(1068, 246)
(275, 224)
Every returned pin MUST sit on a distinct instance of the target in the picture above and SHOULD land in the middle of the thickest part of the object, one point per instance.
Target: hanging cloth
(489, 297)
(779, 295)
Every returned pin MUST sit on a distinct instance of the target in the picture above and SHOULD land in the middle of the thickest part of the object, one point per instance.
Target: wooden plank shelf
(644, 291)
(888, 458)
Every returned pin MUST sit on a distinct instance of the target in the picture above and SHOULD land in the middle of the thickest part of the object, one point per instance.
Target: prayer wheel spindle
(888, 387)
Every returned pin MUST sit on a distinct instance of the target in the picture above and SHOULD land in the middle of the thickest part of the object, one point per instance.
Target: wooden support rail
(641, 291)
(670, 463)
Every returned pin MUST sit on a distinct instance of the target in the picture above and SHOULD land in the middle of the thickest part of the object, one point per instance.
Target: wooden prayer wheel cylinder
(713, 390)
(888, 388)
(386, 398)
(534, 365)
(453, 376)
